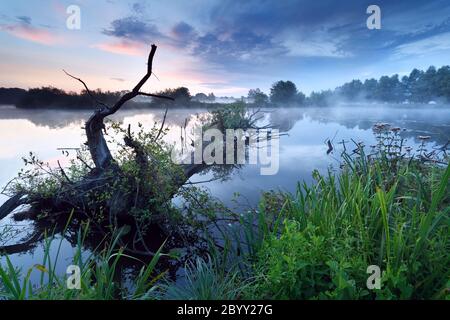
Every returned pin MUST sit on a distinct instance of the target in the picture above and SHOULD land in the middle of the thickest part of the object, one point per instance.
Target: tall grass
(382, 209)
(367, 215)
(99, 274)
(203, 280)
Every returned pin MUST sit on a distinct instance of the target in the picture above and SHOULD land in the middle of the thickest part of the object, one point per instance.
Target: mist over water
(302, 150)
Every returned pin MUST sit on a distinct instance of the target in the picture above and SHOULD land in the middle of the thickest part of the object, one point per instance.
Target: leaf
(41, 268)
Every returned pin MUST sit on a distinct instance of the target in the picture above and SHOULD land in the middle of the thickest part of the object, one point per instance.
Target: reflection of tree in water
(177, 117)
(83, 194)
(434, 124)
(54, 119)
(431, 121)
(57, 119)
(284, 119)
(34, 233)
(417, 121)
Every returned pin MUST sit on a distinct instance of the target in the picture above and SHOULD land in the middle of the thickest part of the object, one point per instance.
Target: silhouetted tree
(201, 97)
(370, 88)
(11, 95)
(442, 83)
(258, 97)
(283, 92)
(320, 99)
(180, 94)
(300, 98)
(351, 90)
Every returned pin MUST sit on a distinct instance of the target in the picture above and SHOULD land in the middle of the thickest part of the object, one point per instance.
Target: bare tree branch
(87, 89)
(101, 155)
(162, 125)
(155, 96)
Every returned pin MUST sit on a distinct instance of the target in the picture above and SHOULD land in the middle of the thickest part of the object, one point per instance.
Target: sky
(221, 46)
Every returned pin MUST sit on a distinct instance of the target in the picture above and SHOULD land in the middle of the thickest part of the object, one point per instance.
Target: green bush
(368, 215)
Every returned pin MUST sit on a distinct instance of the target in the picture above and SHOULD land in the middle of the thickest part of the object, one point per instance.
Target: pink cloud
(30, 33)
(124, 47)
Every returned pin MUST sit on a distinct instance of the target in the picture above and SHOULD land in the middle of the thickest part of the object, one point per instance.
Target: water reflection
(301, 151)
(44, 131)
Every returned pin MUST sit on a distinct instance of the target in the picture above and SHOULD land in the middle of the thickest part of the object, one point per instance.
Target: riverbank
(318, 243)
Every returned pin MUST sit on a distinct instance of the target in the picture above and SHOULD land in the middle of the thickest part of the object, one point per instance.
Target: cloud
(24, 19)
(132, 28)
(138, 7)
(319, 44)
(132, 35)
(244, 46)
(259, 32)
(299, 39)
(25, 30)
(183, 34)
(222, 88)
(124, 47)
(423, 47)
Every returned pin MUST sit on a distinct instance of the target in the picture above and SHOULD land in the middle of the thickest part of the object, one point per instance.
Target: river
(301, 150)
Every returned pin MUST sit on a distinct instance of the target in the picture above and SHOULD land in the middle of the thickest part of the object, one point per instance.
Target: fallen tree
(133, 188)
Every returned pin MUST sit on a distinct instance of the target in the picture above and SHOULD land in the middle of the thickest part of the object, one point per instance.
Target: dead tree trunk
(85, 195)
(95, 126)
(105, 168)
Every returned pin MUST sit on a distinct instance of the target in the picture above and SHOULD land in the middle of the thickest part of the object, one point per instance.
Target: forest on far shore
(432, 85)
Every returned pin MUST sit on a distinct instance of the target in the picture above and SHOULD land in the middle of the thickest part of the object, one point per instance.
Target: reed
(367, 215)
(98, 274)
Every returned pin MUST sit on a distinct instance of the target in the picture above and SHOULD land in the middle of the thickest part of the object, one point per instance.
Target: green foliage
(320, 99)
(234, 116)
(419, 86)
(384, 209)
(150, 184)
(204, 280)
(335, 229)
(50, 97)
(302, 264)
(98, 274)
(258, 97)
(180, 94)
(285, 92)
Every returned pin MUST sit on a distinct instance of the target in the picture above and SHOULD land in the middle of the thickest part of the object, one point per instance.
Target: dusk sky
(225, 47)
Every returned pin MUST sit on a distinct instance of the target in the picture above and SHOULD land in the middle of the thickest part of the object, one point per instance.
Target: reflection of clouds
(175, 117)
(417, 120)
(250, 184)
(301, 151)
(176, 120)
(293, 153)
(19, 137)
(54, 118)
(46, 117)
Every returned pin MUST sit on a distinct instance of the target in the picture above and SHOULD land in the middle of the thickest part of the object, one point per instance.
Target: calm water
(302, 150)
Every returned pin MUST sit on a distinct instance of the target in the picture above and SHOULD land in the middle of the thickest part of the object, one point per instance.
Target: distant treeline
(50, 97)
(418, 87)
